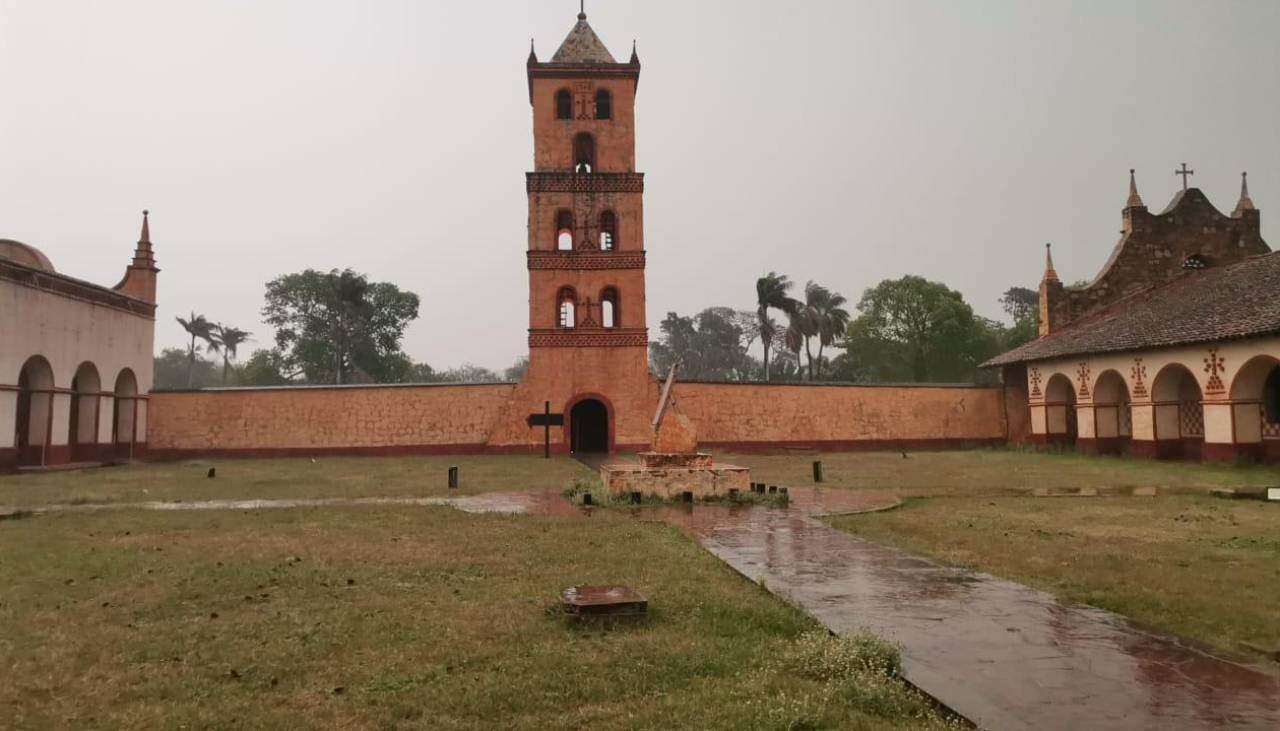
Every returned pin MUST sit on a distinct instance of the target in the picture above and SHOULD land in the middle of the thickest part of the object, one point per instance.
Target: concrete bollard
(453, 478)
(636, 498)
(586, 498)
(686, 496)
(817, 471)
(773, 489)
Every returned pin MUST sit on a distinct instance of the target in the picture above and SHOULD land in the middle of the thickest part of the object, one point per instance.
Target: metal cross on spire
(1184, 172)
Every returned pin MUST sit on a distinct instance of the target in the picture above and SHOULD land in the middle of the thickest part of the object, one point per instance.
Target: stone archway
(1255, 408)
(125, 418)
(589, 427)
(1060, 411)
(1179, 413)
(1112, 414)
(82, 432)
(34, 425)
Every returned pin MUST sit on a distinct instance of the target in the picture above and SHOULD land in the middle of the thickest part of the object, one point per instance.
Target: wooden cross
(1184, 172)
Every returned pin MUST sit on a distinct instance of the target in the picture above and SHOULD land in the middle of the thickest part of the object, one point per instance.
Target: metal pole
(546, 430)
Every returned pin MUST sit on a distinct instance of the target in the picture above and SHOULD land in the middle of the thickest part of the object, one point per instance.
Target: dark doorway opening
(589, 427)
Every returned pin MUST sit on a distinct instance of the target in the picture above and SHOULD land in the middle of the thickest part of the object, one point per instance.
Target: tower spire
(143, 256)
(1246, 203)
(1135, 200)
(1050, 274)
(582, 10)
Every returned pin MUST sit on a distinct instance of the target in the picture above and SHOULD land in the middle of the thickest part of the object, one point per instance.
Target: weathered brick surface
(325, 418)
(745, 414)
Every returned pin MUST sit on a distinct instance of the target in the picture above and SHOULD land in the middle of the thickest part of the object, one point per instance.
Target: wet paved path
(999, 653)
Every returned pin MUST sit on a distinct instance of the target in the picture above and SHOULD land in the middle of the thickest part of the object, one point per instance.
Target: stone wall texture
(353, 420)
(490, 418)
(753, 416)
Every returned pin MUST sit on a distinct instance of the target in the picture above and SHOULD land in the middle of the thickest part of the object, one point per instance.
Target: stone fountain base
(670, 474)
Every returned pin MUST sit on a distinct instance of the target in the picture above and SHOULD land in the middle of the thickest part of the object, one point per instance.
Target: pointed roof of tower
(143, 256)
(1246, 203)
(1050, 274)
(1135, 200)
(582, 45)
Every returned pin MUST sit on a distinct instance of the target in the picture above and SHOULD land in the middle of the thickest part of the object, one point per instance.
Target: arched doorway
(34, 425)
(82, 433)
(589, 427)
(1255, 408)
(1112, 415)
(125, 418)
(1060, 411)
(1179, 413)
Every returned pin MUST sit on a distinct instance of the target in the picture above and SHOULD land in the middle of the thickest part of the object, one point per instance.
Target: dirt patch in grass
(398, 618)
(289, 478)
(1197, 566)
(994, 472)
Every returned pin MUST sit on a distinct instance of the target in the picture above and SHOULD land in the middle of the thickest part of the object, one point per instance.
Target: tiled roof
(1236, 301)
(582, 45)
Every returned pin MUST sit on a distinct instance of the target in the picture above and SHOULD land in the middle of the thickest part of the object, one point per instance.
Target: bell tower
(588, 340)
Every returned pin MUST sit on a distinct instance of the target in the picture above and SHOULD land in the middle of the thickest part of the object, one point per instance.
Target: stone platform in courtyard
(670, 474)
(674, 466)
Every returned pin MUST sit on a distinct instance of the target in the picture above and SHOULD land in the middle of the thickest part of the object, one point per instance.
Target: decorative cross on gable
(1214, 365)
(1185, 173)
(1083, 376)
(1139, 374)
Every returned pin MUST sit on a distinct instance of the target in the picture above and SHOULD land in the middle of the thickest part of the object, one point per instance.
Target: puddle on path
(999, 653)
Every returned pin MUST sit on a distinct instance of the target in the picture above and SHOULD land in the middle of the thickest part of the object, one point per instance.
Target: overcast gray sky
(842, 141)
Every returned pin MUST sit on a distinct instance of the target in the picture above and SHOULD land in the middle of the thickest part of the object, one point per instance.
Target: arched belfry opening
(589, 427)
(584, 153)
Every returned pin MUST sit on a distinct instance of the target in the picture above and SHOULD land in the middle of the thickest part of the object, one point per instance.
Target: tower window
(564, 104)
(584, 153)
(609, 314)
(608, 231)
(568, 304)
(604, 104)
(564, 231)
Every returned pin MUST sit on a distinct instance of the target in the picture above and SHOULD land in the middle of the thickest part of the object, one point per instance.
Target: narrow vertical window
(568, 304)
(608, 231)
(564, 104)
(604, 105)
(584, 153)
(610, 317)
(564, 231)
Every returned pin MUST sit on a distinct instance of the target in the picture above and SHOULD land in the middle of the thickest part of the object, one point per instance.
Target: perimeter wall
(460, 419)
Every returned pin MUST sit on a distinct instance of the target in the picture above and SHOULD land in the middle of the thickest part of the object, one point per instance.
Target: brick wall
(393, 420)
(844, 417)
(298, 421)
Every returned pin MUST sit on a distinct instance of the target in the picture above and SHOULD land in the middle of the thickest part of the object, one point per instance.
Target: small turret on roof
(1050, 274)
(1245, 203)
(1135, 200)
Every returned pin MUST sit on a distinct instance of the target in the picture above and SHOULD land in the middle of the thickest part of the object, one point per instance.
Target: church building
(75, 359)
(1172, 351)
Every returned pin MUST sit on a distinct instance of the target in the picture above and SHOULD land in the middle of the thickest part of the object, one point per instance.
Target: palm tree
(804, 324)
(771, 293)
(198, 328)
(229, 338)
(832, 318)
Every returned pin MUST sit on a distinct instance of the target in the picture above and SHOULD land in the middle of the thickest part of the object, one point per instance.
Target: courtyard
(404, 616)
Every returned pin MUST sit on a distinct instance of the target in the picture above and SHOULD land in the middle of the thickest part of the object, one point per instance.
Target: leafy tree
(337, 326)
(916, 330)
(709, 346)
(771, 294)
(228, 340)
(468, 373)
(264, 368)
(173, 369)
(199, 329)
(1023, 307)
(517, 370)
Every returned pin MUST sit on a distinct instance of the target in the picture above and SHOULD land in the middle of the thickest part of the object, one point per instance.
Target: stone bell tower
(588, 341)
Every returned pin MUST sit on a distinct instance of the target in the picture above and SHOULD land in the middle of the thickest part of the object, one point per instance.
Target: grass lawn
(993, 472)
(1198, 566)
(288, 478)
(387, 618)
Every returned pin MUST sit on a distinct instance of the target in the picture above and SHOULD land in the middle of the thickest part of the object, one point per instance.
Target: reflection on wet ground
(999, 653)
